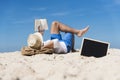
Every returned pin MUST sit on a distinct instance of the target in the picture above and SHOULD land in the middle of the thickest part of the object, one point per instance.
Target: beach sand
(71, 66)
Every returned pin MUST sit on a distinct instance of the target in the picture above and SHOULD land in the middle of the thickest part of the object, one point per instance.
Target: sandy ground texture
(71, 66)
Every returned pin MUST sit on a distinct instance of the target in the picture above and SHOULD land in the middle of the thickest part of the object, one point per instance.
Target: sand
(71, 66)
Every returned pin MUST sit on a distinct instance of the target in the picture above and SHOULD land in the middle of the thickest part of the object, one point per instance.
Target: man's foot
(74, 50)
(82, 32)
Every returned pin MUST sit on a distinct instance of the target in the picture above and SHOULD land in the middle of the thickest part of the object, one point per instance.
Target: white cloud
(60, 14)
(117, 2)
(21, 21)
(38, 9)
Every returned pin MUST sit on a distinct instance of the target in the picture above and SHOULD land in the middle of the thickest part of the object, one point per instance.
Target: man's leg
(73, 44)
(57, 27)
(69, 39)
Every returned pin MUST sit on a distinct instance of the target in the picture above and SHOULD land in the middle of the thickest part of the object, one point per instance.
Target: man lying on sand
(65, 44)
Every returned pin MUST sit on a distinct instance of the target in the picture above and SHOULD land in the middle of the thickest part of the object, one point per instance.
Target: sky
(17, 20)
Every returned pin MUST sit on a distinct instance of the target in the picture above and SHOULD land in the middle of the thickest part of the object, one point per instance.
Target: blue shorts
(67, 39)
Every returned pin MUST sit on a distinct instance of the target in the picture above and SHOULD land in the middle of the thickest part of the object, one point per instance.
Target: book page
(42, 23)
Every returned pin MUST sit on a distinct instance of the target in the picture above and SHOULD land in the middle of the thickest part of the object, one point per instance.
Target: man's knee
(55, 27)
(55, 23)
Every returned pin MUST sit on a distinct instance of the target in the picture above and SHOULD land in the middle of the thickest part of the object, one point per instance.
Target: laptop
(92, 47)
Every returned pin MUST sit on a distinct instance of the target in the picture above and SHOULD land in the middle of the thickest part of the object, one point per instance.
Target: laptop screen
(94, 48)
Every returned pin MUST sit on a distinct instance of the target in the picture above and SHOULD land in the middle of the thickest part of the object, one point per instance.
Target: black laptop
(92, 47)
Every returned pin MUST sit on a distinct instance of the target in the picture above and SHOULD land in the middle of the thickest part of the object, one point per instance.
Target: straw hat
(35, 40)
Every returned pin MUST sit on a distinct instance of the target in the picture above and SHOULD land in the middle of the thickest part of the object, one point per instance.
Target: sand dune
(71, 66)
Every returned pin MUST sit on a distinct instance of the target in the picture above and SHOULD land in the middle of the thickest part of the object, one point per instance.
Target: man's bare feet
(74, 50)
(82, 32)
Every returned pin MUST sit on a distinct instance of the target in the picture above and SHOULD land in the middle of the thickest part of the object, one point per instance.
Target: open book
(41, 24)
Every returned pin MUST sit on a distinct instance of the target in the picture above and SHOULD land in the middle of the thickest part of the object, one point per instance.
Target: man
(65, 44)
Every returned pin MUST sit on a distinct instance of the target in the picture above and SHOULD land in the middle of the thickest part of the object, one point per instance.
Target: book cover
(42, 23)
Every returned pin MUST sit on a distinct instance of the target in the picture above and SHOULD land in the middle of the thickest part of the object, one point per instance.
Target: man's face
(40, 30)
